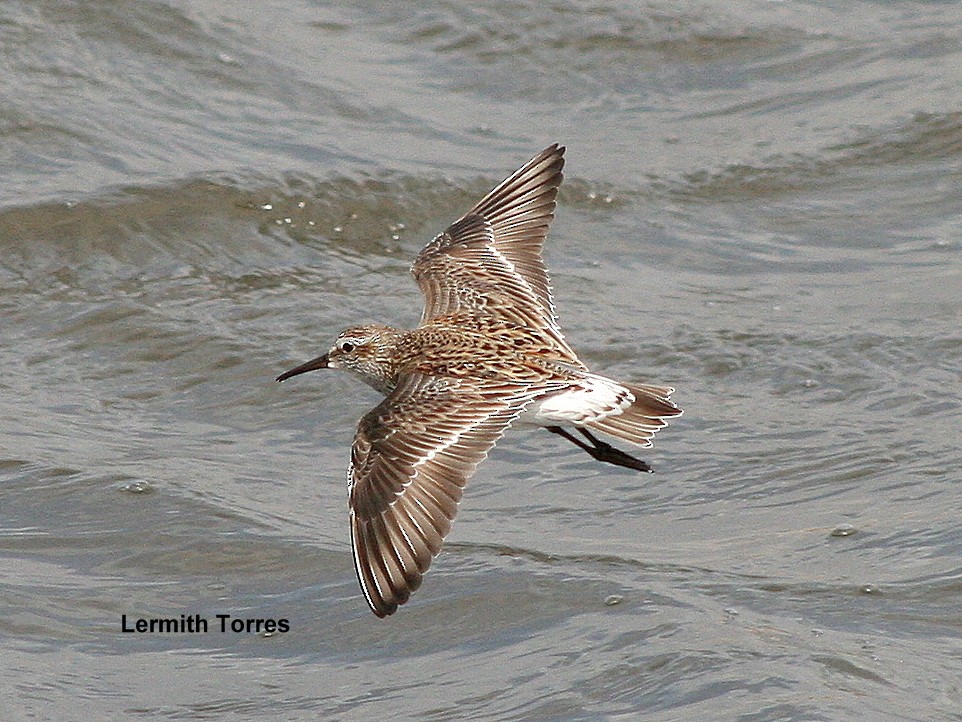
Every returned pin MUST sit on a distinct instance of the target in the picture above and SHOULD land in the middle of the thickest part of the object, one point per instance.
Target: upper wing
(411, 458)
(489, 260)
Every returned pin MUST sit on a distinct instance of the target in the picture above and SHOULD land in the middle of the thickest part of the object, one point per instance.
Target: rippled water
(761, 208)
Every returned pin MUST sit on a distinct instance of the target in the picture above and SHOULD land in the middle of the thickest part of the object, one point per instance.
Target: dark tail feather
(643, 418)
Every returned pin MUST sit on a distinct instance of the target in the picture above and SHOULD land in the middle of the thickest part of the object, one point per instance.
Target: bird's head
(366, 351)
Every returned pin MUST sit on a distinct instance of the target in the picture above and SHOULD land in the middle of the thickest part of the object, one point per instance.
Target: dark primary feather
(489, 261)
(411, 458)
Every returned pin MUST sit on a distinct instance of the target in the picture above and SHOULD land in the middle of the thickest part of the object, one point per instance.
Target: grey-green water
(762, 208)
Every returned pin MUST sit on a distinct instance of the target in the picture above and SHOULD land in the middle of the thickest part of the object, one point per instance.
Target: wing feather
(490, 261)
(412, 456)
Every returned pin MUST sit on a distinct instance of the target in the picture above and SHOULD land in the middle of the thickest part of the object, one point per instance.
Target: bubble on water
(843, 530)
(869, 589)
(137, 487)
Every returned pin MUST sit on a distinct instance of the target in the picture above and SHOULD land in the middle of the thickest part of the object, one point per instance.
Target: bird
(488, 351)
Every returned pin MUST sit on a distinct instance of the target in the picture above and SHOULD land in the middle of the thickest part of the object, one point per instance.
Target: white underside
(592, 399)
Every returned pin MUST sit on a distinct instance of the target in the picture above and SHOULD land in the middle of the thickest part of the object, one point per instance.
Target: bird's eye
(347, 346)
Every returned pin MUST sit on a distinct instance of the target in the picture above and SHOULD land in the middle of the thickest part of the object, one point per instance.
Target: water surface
(761, 208)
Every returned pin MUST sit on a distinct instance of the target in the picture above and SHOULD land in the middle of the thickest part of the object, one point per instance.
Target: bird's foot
(602, 450)
(609, 454)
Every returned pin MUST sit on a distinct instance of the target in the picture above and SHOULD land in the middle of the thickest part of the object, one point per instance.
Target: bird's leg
(601, 450)
(563, 433)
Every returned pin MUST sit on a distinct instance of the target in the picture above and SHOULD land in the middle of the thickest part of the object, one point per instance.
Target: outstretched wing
(412, 456)
(489, 260)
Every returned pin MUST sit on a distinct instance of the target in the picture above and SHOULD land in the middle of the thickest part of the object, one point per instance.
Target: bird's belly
(532, 416)
(592, 399)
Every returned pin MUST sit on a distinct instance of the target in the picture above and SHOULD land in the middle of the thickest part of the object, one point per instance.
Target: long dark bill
(319, 363)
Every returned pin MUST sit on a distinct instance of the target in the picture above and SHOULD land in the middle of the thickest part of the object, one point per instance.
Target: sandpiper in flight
(488, 349)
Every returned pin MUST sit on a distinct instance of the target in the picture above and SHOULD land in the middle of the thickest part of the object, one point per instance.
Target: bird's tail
(639, 421)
